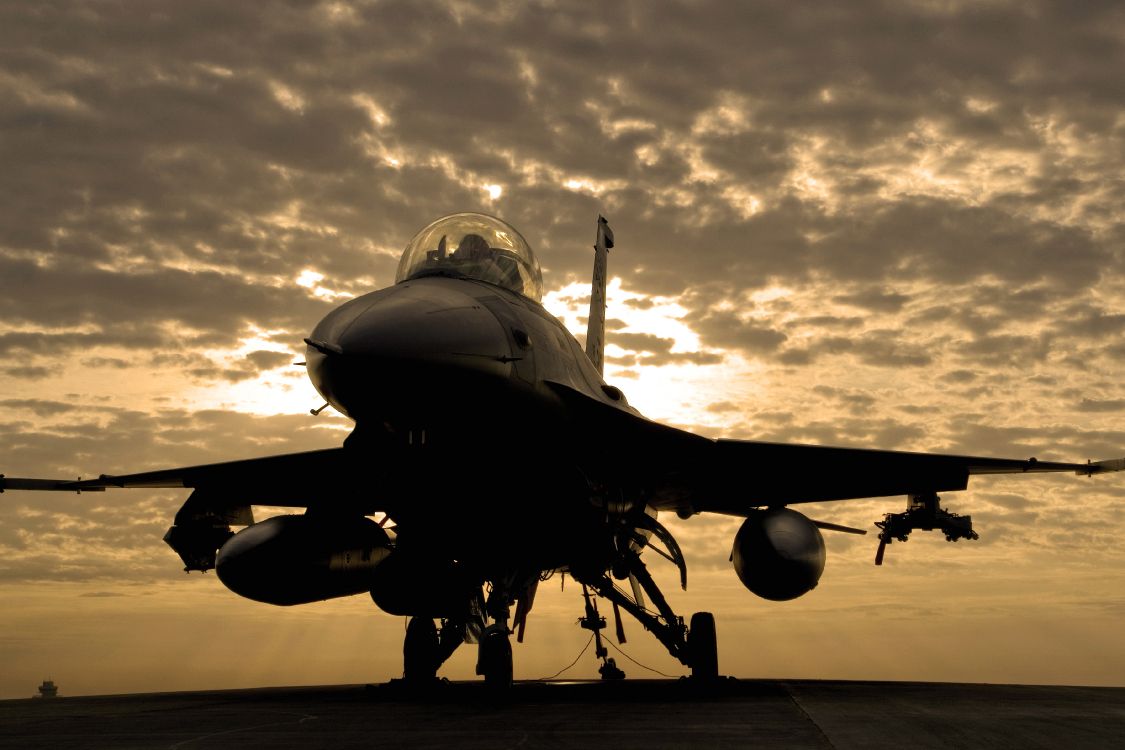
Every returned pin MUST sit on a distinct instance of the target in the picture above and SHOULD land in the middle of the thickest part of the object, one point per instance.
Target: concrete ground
(616, 716)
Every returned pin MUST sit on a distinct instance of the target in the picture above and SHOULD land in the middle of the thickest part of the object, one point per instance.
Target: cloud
(267, 360)
(29, 372)
(213, 304)
(877, 300)
(111, 362)
(728, 330)
(643, 342)
(1109, 405)
(38, 407)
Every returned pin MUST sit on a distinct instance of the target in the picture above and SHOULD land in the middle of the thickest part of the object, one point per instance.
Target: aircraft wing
(745, 474)
(682, 471)
(677, 469)
(292, 479)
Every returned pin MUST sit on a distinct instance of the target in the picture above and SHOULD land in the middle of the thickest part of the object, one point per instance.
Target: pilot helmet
(485, 249)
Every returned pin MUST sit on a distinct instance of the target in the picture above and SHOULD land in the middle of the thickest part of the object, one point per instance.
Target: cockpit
(473, 246)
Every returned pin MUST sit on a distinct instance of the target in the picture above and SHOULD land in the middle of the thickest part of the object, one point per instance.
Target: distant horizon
(561, 681)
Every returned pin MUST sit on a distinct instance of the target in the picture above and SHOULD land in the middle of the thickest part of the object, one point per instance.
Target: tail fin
(595, 332)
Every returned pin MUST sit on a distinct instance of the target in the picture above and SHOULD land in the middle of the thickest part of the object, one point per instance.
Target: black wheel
(419, 650)
(494, 659)
(703, 648)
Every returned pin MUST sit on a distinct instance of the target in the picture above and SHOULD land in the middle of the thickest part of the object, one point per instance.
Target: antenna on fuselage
(595, 331)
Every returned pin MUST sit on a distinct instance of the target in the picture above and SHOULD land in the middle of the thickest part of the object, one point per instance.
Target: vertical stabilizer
(595, 332)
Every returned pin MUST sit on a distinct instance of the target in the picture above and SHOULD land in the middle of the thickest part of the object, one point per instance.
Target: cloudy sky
(880, 224)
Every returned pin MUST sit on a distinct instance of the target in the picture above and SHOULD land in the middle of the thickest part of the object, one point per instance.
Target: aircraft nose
(412, 341)
(444, 327)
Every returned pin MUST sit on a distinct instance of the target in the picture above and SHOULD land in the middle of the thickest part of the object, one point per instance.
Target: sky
(877, 224)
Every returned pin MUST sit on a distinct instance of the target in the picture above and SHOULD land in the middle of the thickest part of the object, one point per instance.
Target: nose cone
(409, 343)
(432, 320)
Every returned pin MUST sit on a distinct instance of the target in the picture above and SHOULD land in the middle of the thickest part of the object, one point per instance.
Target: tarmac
(618, 716)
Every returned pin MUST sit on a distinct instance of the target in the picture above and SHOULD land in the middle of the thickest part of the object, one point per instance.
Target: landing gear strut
(494, 655)
(595, 623)
(695, 647)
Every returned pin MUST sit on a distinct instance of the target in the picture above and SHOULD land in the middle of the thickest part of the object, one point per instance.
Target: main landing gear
(703, 648)
(494, 657)
(426, 648)
(494, 654)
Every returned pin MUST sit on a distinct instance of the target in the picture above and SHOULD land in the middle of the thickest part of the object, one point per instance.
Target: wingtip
(1102, 467)
(38, 485)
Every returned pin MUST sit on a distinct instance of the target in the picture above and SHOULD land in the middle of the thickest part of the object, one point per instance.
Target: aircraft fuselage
(440, 349)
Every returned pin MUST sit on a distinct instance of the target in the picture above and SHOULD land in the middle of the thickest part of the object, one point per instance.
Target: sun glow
(675, 384)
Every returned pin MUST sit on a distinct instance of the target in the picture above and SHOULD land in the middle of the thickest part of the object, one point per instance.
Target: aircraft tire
(703, 647)
(419, 651)
(495, 658)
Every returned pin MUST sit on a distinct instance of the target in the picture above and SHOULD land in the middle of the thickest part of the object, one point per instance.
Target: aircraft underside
(467, 534)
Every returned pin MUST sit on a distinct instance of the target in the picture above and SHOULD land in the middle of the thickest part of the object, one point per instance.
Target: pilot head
(472, 247)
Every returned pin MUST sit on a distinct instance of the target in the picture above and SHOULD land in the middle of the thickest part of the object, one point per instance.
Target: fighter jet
(495, 455)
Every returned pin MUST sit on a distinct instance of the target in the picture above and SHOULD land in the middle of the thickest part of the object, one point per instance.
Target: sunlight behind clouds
(674, 383)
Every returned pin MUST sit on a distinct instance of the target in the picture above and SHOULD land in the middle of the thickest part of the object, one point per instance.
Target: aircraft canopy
(473, 246)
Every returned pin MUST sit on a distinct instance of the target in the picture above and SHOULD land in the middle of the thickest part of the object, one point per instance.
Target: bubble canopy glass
(473, 246)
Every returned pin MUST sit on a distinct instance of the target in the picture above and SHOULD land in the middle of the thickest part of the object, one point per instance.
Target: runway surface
(616, 716)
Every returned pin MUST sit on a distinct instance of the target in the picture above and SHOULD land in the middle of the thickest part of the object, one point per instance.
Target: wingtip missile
(1102, 467)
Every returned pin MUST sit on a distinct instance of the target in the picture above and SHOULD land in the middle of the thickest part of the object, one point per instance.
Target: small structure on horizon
(48, 689)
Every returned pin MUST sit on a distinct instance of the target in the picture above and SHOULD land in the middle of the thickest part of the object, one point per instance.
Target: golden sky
(878, 224)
